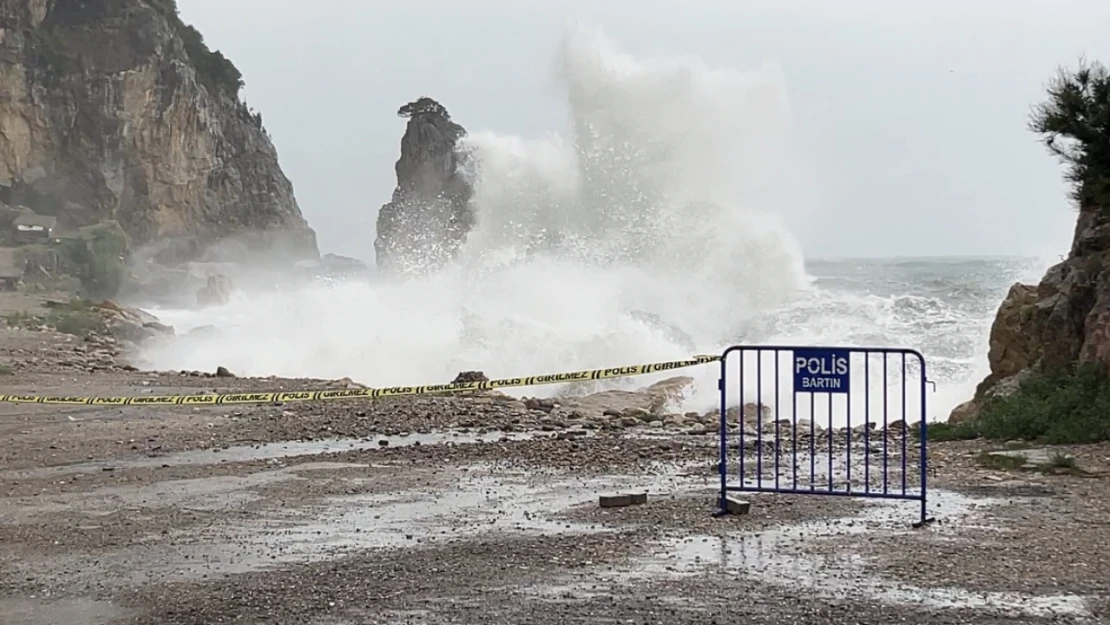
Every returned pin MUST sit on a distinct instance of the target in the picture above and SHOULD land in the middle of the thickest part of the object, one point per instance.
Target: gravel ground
(482, 510)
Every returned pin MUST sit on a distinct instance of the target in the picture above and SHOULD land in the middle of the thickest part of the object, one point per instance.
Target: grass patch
(75, 304)
(6, 370)
(75, 323)
(1002, 462)
(1061, 461)
(20, 319)
(944, 431)
(1057, 464)
(1068, 407)
(76, 317)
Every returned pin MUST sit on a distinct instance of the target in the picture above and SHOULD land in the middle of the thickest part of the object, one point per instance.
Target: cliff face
(1061, 321)
(114, 109)
(428, 219)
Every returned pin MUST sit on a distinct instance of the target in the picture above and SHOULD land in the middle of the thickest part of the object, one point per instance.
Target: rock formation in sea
(117, 110)
(429, 216)
(1065, 319)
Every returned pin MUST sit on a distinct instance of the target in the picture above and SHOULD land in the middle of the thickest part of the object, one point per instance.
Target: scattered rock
(215, 292)
(965, 412)
(470, 376)
(737, 506)
(130, 324)
(346, 383)
(620, 501)
(666, 393)
(542, 405)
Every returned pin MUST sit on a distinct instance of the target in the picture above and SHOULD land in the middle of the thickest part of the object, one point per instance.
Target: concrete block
(737, 506)
(614, 501)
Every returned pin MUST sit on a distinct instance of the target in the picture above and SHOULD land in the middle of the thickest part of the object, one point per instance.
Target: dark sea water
(942, 307)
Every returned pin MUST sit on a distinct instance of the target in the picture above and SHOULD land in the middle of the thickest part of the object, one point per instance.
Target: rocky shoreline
(484, 508)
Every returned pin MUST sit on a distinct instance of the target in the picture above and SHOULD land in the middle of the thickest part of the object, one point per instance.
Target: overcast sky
(912, 114)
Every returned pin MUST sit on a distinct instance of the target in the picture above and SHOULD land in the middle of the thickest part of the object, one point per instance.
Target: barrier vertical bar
(722, 464)
(778, 436)
(905, 417)
(924, 448)
(812, 443)
(886, 428)
(740, 417)
(867, 423)
(794, 430)
(759, 417)
(848, 435)
(831, 435)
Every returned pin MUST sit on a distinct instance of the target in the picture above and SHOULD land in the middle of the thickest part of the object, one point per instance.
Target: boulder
(1062, 321)
(130, 324)
(470, 376)
(667, 393)
(215, 292)
(648, 404)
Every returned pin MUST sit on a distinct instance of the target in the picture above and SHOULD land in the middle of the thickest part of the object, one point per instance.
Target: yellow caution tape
(359, 393)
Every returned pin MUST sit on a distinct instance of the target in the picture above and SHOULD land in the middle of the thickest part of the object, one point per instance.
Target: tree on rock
(421, 106)
(1075, 124)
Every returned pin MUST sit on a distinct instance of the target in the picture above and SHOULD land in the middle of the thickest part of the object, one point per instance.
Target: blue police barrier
(841, 421)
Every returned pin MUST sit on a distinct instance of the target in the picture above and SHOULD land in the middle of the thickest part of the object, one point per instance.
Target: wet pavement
(334, 532)
(273, 451)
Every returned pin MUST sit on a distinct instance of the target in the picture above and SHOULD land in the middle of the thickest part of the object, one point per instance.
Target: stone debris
(622, 500)
(737, 506)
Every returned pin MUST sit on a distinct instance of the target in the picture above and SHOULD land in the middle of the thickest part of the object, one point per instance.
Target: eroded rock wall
(111, 109)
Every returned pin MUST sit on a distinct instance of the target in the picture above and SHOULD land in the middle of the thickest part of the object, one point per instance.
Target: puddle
(270, 451)
(479, 503)
(506, 503)
(225, 493)
(783, 556)
(860, 468)
(858, 475)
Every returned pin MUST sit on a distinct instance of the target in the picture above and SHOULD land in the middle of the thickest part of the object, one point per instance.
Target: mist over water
(653, 227)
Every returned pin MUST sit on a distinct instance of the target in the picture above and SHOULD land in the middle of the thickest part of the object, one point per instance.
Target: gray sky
(911, 114)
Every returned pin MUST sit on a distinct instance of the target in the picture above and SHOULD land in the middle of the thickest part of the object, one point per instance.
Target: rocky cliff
(115, 109)
(1065, 319)
(429, 216)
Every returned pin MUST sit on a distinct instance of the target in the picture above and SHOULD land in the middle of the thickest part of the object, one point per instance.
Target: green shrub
(74, 322)
(19, 319)
(1064, 407)
(214, 70)
(942, 431)
(1075, 125)
(98, 258)
(1001, 462)
(76, 317)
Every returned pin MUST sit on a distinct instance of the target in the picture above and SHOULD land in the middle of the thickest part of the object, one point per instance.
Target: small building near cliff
(30, 227)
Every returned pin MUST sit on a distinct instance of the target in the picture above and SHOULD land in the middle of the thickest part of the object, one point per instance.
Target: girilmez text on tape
(267, 397)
